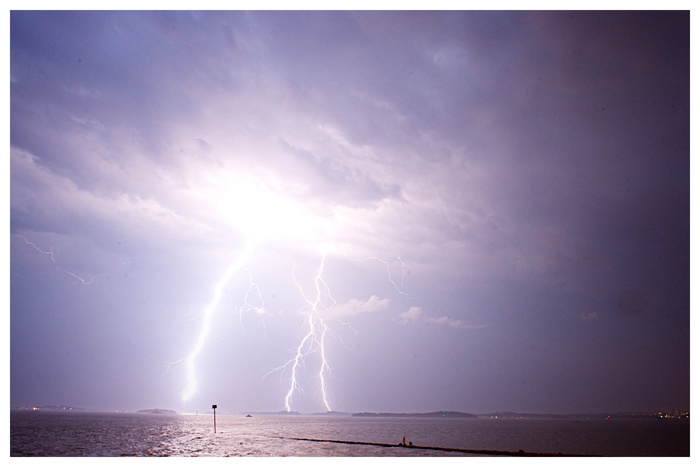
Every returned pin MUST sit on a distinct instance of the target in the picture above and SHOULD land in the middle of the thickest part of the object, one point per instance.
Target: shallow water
(117, 434)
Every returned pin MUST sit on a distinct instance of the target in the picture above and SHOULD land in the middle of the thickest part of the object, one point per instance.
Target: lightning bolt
(253, 287)
(404, 268)
(33, 245)
(315, 338)
(207, 314)
(317, 300)
(53, 260)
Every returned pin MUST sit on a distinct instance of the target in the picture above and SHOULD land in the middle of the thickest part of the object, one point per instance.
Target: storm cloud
(501, 196)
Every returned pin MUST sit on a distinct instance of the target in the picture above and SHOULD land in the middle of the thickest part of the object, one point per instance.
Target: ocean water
(52, 434)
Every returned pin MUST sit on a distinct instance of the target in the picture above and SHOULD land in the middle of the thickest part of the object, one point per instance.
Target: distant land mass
(52, 407)
(157, 411)
(448, 414)
(602, 415)
(492, 415)
(665, 414)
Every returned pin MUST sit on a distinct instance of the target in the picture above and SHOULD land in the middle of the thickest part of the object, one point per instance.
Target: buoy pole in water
(214, 407)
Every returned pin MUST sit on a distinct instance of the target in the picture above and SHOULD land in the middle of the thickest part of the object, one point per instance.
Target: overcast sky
(470, 211)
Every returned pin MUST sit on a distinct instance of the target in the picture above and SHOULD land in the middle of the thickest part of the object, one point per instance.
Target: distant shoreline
(157, 411)
(448, 414)
(439, 414)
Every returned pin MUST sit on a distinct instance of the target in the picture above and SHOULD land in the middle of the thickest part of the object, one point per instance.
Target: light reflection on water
(107, 434)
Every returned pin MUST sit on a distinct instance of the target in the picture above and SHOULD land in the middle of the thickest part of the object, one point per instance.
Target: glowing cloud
(416, 314)
(354, 307)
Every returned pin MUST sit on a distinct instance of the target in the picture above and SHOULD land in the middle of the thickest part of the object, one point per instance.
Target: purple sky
(499, 200)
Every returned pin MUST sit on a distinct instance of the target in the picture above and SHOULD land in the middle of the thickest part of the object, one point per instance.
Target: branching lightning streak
(83, 281)
(53, 260)
(247, 306)
(208, 313)
(49, 253)
(404, 267)
(315, 338)
(324, 364)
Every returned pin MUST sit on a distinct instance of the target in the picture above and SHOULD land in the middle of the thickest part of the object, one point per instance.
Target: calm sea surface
(119, 434)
